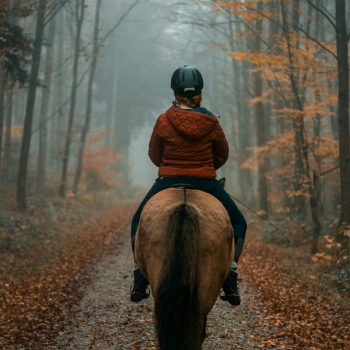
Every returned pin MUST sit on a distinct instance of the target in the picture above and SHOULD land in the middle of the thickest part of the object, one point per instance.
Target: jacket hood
(190, 124)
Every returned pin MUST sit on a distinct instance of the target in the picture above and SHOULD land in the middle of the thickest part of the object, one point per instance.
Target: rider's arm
(155, 150)
(220, 148)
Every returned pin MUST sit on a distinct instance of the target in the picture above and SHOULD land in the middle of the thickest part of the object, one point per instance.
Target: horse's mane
(177, 307)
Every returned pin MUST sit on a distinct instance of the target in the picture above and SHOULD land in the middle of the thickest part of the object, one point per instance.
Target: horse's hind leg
(204, 329)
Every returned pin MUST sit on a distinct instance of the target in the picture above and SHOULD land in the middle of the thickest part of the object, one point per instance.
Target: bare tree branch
(329, 170)
(261, 13)
(54, 10)
(53, 114)
(318, 42)
(119, 22)
(324, 13)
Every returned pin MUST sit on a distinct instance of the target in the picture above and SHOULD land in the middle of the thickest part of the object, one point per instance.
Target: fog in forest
(136, 66)
(82, 83)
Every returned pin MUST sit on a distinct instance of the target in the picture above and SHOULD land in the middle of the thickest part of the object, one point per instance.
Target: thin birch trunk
(7, 145)
(57, 130)
(79, 14)
(88, 114)
(301, 162)
(261, 131)
(2, 106)
(41, 165)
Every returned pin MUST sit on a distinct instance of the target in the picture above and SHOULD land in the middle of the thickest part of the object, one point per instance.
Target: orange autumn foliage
(100, 159)
(16, 132)
(297, 92)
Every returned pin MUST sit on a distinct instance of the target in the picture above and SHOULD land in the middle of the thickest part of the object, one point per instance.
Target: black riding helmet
(187, 81)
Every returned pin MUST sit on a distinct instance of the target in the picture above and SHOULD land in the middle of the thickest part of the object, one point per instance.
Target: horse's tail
(178, 322)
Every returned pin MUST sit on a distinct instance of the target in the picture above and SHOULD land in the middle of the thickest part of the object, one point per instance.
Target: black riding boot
(139, 287)
(231, 289)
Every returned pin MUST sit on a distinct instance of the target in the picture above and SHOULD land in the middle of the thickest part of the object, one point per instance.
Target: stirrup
(136, 296)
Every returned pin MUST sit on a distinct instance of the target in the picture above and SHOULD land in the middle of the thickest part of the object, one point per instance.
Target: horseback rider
(188, 145)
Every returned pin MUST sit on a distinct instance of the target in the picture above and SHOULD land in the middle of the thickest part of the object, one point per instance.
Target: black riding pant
(211, 186)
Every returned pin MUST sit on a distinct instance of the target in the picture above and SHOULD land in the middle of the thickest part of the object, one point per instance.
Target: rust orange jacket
(188, 143)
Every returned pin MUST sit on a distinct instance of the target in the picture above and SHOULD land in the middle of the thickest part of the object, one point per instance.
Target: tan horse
(184, 247)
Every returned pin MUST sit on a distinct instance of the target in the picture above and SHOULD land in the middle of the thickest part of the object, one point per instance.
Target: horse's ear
(222, 181)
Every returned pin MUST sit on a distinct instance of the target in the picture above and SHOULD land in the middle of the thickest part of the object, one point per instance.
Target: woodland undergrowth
(306, 308)
(45, 260)
(302, 307)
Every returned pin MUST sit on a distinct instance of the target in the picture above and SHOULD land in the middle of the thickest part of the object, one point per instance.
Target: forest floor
(79, 299)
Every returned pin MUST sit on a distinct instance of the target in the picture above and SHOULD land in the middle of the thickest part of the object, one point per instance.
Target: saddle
(182, 185)
(222, 182)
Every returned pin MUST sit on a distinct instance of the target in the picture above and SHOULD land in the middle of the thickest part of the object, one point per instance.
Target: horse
(184, 247)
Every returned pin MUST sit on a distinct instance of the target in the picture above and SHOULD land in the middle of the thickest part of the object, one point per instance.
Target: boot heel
(139, 290)
(230, 288)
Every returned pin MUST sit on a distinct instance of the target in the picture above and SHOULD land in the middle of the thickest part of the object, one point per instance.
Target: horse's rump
(184, 247)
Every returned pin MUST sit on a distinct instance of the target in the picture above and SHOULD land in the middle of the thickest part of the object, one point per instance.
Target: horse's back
(215, 242)
(211, 212)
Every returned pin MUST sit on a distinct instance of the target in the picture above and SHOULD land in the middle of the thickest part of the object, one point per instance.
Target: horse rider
(188, 145)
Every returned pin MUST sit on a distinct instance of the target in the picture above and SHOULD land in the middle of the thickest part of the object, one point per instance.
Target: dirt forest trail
(80, 299)
(277, 311)
(106, 319)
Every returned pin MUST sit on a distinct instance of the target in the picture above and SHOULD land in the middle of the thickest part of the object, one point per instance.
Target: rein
(222, 182)
(261, 217)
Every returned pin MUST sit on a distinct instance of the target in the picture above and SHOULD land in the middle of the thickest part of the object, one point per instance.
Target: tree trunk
(86, 127)
(331, 85)
(316, 188)
(114, 113)
(27, 131)
(343, 112)
(301, 154)
(41, 166)
(242, 132)
(19, 106)
(315, 193)
(79, 13)
(7, 147)
(7, 163)
(57, 130)
(260, 121)
(314, 204)
(2, 106)
(236, 125)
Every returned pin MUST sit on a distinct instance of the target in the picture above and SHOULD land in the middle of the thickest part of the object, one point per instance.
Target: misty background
(82, 83)
(137, 64)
